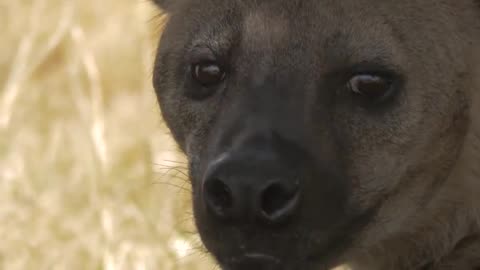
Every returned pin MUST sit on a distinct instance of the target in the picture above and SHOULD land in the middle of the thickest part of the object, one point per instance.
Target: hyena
(324, 132)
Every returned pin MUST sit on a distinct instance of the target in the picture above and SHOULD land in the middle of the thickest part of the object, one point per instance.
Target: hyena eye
(208, 73)
(372, 87)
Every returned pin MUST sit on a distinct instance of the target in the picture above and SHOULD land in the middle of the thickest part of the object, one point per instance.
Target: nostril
(218, 196)
(278, 201)
(274, 198)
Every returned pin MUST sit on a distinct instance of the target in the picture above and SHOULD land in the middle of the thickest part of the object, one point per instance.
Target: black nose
(236, 191)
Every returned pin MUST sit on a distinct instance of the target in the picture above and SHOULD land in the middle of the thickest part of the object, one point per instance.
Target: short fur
(388, 187)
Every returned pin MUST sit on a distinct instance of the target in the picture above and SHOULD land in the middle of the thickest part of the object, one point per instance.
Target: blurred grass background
(89, 177)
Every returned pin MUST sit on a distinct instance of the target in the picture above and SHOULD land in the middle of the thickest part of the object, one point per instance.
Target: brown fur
(410, 173)
(446, 233)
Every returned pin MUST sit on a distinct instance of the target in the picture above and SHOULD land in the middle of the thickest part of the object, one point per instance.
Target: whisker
(175, 170)
(176, 161)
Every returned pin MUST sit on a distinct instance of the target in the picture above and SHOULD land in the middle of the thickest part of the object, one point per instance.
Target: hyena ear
(163, 4)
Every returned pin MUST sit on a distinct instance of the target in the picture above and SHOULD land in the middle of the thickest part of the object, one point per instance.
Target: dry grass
(84, 156)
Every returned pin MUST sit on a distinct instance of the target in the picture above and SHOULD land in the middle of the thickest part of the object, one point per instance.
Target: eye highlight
(208, 73)
(373, 87)
(205, 71)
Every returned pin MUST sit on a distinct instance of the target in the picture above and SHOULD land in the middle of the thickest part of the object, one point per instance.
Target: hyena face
(306, 123)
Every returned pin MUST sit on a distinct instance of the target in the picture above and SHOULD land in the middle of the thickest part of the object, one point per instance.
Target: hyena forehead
(264, 28)
(327, 27)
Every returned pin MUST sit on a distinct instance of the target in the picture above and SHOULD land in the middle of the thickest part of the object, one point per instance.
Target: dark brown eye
(208, 73)
(373, 87)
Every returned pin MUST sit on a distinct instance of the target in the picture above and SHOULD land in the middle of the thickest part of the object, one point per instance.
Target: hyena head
(314, 128)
